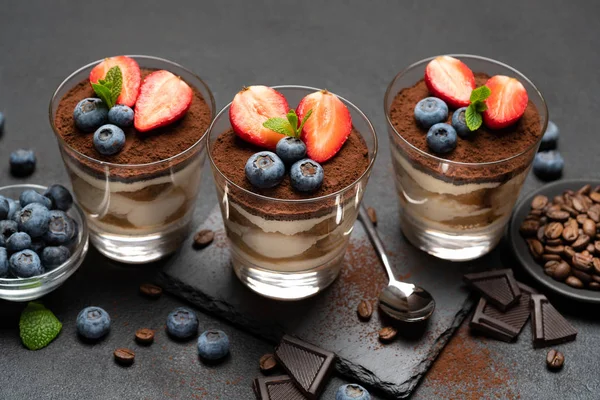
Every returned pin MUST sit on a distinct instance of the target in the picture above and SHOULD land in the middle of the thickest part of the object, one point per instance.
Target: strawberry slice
(327, 128)
(164, 98)
(131, 77)
(506, 104)
(250, 108)
(451, 80)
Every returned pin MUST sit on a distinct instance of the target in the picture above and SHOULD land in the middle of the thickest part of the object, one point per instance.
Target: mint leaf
(473, 118)
(480, 106)
(103, 92)
(293, 119)
(480, 94)
(280, 125)
(308, 114)
(109, 88)
(38, 326)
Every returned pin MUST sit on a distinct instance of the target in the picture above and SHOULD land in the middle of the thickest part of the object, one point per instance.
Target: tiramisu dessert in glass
(130, 131)
(291, 164)
(463, 134)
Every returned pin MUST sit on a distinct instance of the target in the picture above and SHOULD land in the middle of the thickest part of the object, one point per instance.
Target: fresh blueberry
(2, 119)
(31, 196)
(60, 197)
(37, 245)
(213, 345)
(90, 114)
(22, 162)
(13, 207)
(120, 115)
(182, 323)
(33, 219)
(306, 175)
(8, 228)
(548, 165)
(4, 209)
(3, 263)
(25, 264)
(265, 170)
(93, 323)
(18, 241)
(53, 256)
(550, 138)
(109, 139)
(352, 392)
(290, 150)
(441, 138)
(459, 124)
(430, 111)
(61, 228)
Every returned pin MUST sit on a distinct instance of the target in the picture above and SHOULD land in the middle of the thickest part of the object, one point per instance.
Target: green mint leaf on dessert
(480, 106)
(473, 117)
(480, 94)
(38, 326)
(103, 92)
(279, 125)
(109, 88)
(308, 114)
(293, 120)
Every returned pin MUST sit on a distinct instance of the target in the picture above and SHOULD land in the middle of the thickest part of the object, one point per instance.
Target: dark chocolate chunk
(277, 388)
(548, 326)
(499, 287)
(308, 365)
(501, 325)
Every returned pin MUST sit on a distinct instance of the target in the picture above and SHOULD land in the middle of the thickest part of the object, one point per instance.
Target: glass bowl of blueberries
(43, 240)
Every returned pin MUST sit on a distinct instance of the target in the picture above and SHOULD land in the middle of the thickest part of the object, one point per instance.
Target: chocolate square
(499, 287)
(276, 388)
(549, 327)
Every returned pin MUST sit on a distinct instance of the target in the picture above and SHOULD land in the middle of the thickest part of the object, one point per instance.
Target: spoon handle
(374, 237)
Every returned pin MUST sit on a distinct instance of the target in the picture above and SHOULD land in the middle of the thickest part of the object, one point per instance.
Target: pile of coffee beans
(563, 235)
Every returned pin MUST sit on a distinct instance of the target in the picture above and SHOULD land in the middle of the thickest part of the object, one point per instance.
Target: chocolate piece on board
(499, 287)
(548, 326)
(276, 388)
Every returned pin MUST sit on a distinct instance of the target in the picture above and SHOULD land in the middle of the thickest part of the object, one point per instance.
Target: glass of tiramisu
(463, 134)
(130, 130)
(290, 164)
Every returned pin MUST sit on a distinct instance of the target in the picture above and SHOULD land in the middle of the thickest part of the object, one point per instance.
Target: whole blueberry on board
(265, 170)
(61, 228)
(93, 323)
(4, 209)
(441, 138)
(25, 264)
(430, 111)
(53, 256)
(33, 219)
(182, 323)
(290, 150)
(459, 124)
(89, 114)
(7, 228)
(60, 197)
(22, 162)
(31, 196)
(213, 345)
(550, 138)
(548, 165)
(121, 115)
(18, 241)
(306, 175)
(352, 392)
(3, 263)
(109, 139)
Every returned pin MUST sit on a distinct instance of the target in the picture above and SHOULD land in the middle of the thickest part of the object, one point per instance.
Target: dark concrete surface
(353, 48)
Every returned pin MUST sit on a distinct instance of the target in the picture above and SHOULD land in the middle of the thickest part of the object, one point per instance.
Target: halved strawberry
(131, 77)
(163, 99)
(507, 102)
(250, 108)
(328, 126)
(451, 80)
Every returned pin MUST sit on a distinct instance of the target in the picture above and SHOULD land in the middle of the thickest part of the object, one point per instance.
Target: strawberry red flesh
(451, 80)
(507, 102)
(164, 98)
(131, 77)
(327, 128)
(250, 108)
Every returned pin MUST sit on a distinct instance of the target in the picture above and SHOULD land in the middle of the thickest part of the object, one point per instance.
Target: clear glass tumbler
(136, 213)
(443, 211)
(289, 249)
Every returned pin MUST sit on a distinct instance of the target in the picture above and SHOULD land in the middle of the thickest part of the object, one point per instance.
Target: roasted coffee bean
(539, 213)
(585, 189)
(595, 196)
(558, 200)
(582, 262)
(594, 285)
(558, 215)
(561, 271)
(203, 238)
(543, 220)
(596, 266)
(570, 234)
(144, 336)
(594, 213)
(550, 257)
(589, 227)
(124, 356)
(552, 207)
(567, 200)
(581, 218)
(597, 246)
(529, 227)
(571, 222)
(579, 205)
(535, 247)
(553, 230)
(540, 234)
(267, 363)
(581, 242)
(150, 290)
(387, 334)
(554, 249)
(550, 266)
(574, 282)
(532, 217)
(569, 252)
(555, 359)
(586, 253)
(582, 276)
(372, 215)
(596, 278)
(590, 248)
(569, 192)
(364, 310)
(587, 202)
(539, 202)
(553, 242)
(572, 212)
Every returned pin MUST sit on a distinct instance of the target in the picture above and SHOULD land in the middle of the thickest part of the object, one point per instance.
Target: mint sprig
(109, 88)
(38, 326)
(473, 112)
(287, 126)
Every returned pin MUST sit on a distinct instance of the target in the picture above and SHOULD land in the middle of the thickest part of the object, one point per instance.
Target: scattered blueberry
(7, 228)
(3, 263)
(120, 115)
(550, 138)
(33, 219)
(109, 139)
(61, 228)
(89, 114)
(93, 323)
(306, 175)
(182, 323)
(25, 264)
(4, 209)
(18, 241)
(430, 111)
(265, 170)
(53, 256)
(441, 138)
(31, 196)
(22, 162)
(548, 165)
(352, 392)
(290, 150)
(2, 119)
(213, 345)
(459, 124)
(60, 197)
